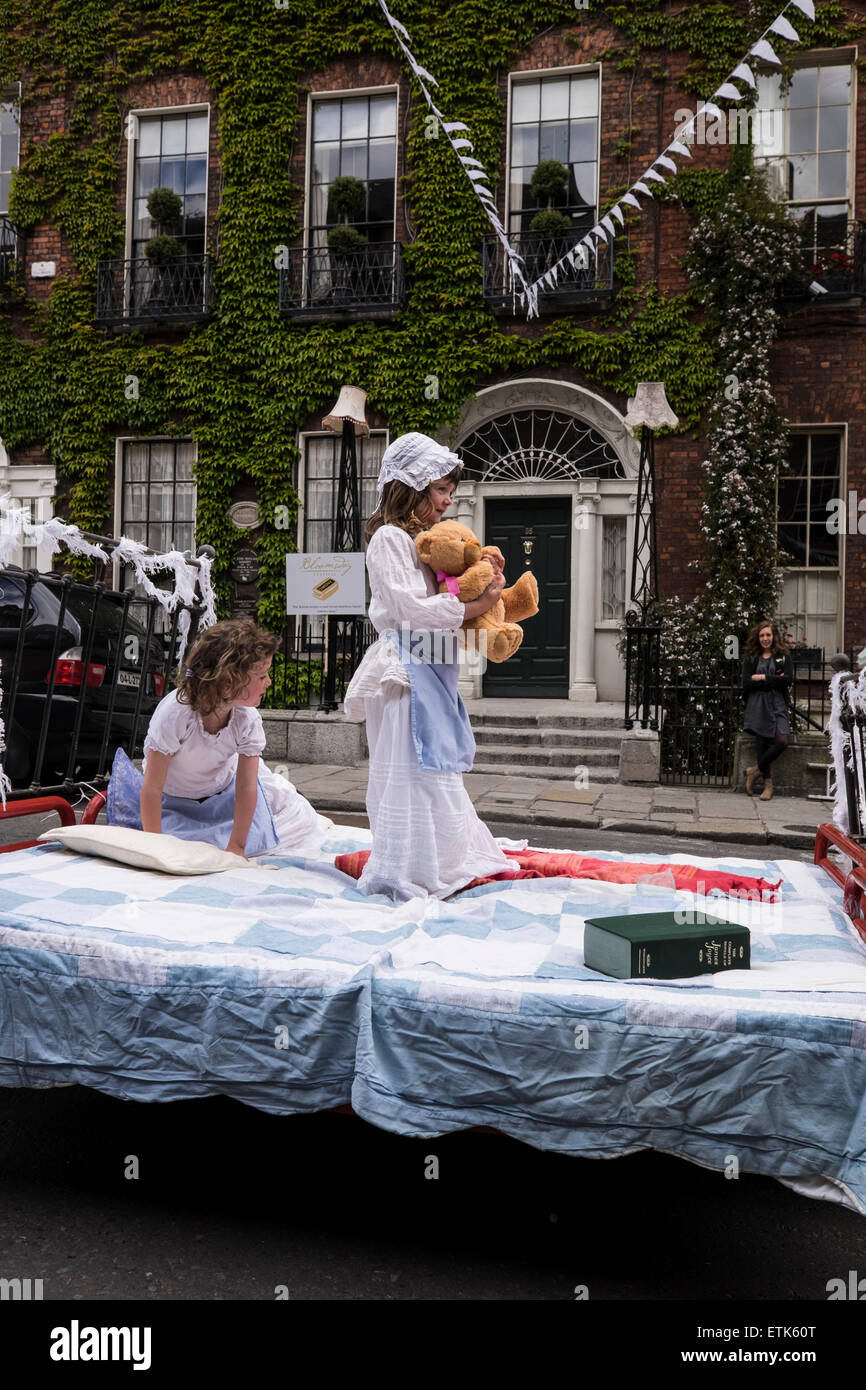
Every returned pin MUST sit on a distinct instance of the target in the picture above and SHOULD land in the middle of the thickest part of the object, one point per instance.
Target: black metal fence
(701, 719)
(589, 280)
(8, 249)
(131, 291)
(318, 279)
(314, 664)
(83, 667)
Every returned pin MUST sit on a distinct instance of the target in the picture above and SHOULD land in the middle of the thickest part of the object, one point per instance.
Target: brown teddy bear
(458, 559)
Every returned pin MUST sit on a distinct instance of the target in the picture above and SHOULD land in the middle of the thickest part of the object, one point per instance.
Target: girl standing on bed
(427, 838)
(203, 776)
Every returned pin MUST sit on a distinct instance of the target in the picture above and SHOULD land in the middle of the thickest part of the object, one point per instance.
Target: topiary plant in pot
(163, 250)
(549, 226)
(348, 199)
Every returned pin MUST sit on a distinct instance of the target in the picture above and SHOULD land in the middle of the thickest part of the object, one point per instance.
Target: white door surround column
(584, 599)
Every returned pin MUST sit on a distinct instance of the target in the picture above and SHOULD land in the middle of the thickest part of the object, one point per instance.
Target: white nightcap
(416, 460)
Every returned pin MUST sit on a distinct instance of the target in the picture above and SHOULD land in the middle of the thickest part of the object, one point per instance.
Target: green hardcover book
(657, 945)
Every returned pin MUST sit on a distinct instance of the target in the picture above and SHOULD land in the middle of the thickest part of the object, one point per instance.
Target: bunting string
(604, 230)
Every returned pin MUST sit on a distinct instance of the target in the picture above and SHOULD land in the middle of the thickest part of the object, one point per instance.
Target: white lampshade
(649, 406)
(350, 406)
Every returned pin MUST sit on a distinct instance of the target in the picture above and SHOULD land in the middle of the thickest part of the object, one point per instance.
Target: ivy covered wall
(244, 382)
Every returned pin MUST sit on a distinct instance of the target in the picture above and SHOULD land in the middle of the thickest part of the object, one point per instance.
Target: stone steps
(544, 771)
(548, 738)
(549, 746)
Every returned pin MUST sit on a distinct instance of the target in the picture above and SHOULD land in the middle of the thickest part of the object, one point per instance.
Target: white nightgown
(427, 838)
(203, 764)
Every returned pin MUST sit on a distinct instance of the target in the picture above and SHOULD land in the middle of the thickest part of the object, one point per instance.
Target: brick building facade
(551, 466)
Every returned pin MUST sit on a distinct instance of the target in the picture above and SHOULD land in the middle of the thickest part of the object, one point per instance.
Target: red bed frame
(853, 883)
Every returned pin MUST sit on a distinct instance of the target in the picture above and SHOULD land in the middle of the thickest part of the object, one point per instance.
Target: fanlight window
(543, 445)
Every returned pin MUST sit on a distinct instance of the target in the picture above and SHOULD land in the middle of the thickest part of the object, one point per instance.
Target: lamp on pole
(347, 418)
(648, 411)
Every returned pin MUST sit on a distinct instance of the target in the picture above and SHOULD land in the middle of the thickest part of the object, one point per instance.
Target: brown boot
(751, 774)
(767, 793)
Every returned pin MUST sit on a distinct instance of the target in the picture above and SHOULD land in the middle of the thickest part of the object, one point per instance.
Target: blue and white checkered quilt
(284, 986)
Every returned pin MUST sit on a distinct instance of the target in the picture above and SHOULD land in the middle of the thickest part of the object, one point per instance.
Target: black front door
(535, 535)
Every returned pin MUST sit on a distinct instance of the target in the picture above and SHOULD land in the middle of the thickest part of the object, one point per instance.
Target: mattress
(283, 986)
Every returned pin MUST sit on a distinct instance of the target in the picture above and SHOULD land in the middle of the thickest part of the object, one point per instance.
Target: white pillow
(141, 849)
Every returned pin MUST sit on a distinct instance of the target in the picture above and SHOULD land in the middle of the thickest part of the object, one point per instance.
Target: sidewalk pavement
(653, 810)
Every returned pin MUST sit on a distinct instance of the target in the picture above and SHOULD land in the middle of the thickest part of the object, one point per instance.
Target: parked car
(120, 657)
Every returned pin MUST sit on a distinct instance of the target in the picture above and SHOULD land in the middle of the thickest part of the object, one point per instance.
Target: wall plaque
(245, 515)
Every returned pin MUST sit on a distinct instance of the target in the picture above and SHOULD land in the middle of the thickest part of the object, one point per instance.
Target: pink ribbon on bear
(452, 584)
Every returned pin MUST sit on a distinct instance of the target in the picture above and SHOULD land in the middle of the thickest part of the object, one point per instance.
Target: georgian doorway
(535, 535)
(550, 472)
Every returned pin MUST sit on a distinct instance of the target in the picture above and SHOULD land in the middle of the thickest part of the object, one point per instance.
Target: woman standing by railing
(767, 676)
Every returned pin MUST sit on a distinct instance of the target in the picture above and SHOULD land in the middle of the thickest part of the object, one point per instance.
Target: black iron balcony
(318, 283)
(590, 281)
(835, 266)
(136, 292)
(9, 243)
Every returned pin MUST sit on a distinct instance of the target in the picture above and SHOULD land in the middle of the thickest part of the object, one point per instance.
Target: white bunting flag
(477, 175)
(763, 50)
(785, 30)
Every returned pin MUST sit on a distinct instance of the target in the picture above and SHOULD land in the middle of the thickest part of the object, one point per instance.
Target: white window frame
(301, 484)
(11, 96)
(840, 431)
(830, 58)
(137, 113)
(119, 443)
(533, 75)
(390, 88)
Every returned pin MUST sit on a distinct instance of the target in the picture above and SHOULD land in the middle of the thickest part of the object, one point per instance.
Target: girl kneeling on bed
(203, 776)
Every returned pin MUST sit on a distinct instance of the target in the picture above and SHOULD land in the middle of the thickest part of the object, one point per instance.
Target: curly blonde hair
(217, 666)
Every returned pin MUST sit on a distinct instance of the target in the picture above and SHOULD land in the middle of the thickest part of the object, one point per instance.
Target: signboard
(326, 583)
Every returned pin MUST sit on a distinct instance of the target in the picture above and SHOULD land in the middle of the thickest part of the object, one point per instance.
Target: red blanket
(536, 863)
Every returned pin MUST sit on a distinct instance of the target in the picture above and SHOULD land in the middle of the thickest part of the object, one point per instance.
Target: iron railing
(702, 719)
(307, 656)
(318, 280)
(834, 265)
(589, 281)
(9, 242)
(137, 291)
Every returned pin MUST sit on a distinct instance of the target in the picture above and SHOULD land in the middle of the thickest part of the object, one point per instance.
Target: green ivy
(245, 381)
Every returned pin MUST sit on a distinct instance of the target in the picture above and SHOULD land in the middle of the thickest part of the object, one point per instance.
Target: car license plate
(130, 678)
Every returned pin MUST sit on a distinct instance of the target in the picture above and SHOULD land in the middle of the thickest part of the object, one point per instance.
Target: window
(804, 143)
(356, 136)
(171, 152)
(321, 478)
(37, 512)
(810, 597)
(554, 117)
(613, 540)
(9, 148)
(158, 493)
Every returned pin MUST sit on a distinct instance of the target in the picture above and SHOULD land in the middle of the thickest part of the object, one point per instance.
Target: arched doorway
(550, 477)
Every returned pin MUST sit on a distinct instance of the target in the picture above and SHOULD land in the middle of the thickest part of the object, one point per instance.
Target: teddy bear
(460, 563)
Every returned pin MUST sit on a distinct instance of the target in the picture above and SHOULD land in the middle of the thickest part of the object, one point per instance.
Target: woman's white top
(403, 594)
(202, 764)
